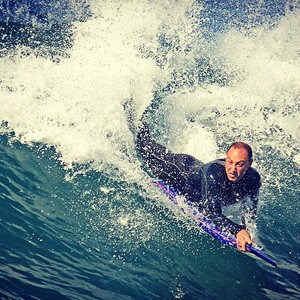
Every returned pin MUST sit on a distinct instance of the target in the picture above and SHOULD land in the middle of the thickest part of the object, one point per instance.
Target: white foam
(297, 159)
(260, 105)
(76, 105)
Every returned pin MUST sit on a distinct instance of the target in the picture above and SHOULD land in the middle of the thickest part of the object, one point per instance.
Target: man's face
(237, 163)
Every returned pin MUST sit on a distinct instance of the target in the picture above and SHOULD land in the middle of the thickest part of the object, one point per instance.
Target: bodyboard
(207, 225)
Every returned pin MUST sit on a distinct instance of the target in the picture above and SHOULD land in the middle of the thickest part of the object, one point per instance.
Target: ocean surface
(79, 217)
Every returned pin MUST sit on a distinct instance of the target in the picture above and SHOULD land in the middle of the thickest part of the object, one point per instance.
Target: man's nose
(232, 167)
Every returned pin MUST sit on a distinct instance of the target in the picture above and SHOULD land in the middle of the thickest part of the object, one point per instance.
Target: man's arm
(212, 193)
(209, 198)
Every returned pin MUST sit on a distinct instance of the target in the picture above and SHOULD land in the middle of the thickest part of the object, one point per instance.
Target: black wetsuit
(205, 184)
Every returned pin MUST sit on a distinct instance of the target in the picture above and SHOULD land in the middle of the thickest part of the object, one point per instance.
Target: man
(213, 185)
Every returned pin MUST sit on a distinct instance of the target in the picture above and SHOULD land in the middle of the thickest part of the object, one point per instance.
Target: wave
(207, 75)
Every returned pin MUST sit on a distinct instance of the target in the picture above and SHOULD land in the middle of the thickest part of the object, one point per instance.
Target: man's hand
(243, 238)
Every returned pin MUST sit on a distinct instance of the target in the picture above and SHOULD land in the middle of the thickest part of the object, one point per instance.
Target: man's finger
(243, 245)
(248, 240)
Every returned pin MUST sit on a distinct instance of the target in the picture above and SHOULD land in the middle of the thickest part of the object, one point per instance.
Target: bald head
(238, 161)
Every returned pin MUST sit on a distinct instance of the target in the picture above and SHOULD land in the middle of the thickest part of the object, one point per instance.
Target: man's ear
(250, 162)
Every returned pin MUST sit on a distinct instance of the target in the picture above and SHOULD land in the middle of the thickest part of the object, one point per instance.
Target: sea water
(80, 218)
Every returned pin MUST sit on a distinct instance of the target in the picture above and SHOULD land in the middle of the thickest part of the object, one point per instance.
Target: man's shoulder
(218, 164)
(253, 174)
(253, 178)
(215, 168)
